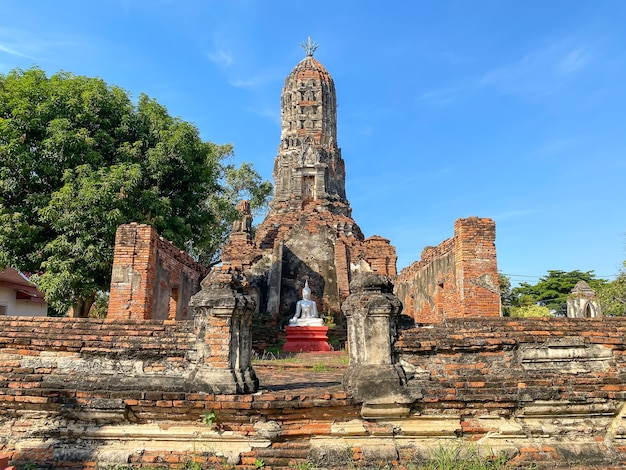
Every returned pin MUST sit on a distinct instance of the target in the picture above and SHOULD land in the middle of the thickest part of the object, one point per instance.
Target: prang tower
(308, 233)
(309, 167)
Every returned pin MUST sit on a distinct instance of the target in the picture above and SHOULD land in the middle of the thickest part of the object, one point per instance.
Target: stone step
(280, 455)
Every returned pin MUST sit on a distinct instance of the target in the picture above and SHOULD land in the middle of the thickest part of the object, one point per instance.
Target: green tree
(530, 311)
(612, 295)
(552, 290)
(506, 295)
(78, 158)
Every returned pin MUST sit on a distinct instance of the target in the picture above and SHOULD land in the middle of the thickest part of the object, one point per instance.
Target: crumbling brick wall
(545, 391)
(557, 384)
(456, 279)
(381, 255)
(151, 278)
(81, 393)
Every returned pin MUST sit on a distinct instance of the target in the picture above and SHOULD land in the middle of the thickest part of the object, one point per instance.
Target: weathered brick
(147, 273)
(456, 279)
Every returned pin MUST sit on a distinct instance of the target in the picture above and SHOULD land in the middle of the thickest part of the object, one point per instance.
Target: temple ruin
(456, 279)
(309, 235)
(168, 380)
(583, 302)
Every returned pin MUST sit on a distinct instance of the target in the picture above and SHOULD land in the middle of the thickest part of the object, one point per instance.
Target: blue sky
(513, 110)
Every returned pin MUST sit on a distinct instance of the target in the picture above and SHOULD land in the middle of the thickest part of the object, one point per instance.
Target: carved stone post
(223, 322)
(374, 376)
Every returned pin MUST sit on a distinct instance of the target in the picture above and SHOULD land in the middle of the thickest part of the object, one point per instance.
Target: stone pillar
(223, 326)
(320, 183)
(274, 282)
(374, 375)
(133, 273)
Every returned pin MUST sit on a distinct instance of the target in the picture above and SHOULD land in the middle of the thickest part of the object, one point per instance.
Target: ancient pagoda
(308, 233)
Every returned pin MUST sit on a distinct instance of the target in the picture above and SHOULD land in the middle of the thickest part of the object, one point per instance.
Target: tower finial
(309, 47)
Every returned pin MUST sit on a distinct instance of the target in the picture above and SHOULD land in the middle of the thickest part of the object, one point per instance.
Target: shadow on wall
(294, 274)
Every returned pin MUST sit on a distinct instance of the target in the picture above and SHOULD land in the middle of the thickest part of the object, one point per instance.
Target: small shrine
(583, 302)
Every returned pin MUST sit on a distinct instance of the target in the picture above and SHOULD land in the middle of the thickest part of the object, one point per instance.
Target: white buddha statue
(306, 310)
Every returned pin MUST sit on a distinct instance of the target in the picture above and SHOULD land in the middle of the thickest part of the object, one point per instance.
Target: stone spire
(309, 166)
(309, 233)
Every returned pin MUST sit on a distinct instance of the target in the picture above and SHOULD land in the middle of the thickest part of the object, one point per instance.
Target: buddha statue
(306, 310)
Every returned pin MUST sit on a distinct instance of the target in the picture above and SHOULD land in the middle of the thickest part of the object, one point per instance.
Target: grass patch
(462, 456)
(309, 361)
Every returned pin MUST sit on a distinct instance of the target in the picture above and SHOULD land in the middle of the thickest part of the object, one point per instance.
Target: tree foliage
(612, 295)
(552, 290)
(530, 311)
(78, 158)
(506, 295)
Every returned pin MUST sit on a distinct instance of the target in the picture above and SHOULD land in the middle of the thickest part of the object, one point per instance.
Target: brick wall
(151, 278)
(381, 255)
(554, 387)
(79, 392)
(342, 266)
(456, 279)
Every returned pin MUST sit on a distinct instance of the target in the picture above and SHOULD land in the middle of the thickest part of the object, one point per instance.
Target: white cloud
(573, 62)
(36, 46)
(441, 96)
(241, 73)
(272, 113)
(222, 58)
(11, 51)
(539, 72)
(256, 79)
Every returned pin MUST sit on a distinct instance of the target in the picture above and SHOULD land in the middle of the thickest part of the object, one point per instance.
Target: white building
(18, 296)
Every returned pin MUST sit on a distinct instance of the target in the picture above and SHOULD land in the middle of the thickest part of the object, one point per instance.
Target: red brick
(467, 260)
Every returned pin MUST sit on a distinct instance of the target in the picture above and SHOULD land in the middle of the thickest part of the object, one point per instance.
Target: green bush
(530, 311)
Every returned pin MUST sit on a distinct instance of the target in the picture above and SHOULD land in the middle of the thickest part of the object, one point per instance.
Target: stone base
(306, 339)
(224, 381)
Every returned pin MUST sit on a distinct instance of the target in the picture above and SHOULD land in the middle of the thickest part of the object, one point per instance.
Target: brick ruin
(151, 278)
(456, 279)
(309, 232)
(143, 388)
(87, 393)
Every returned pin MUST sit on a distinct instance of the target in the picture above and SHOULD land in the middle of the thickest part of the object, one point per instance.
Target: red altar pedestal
(306, 339)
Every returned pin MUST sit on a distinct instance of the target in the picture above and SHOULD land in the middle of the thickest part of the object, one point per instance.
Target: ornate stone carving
(244, 223)
(223, 320)
(374, 375)
(309, 121)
